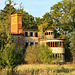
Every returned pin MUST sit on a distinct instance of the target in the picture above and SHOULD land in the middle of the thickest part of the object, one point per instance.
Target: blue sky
(37, 8)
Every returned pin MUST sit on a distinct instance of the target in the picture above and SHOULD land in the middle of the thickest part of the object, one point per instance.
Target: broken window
(36, 42)
(49, 33)
(31, 33)
(36, 34)
(26, 44)
(26, 34)
(31, 43)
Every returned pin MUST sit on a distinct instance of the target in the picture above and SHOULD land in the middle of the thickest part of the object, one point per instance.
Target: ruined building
(31, 37)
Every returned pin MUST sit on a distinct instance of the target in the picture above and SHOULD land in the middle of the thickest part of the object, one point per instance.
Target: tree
(61, 15)
(72, 44)
(48, 18)
(6, 14)
(28, 21)
(11, 56)
(68, 54)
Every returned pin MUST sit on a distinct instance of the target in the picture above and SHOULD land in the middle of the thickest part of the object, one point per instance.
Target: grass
(66, 69)
(42, 69)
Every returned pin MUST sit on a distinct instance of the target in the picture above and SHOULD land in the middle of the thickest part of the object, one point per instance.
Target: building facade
(32, 37)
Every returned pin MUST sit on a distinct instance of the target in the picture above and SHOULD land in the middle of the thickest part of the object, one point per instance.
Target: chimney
(16, 23)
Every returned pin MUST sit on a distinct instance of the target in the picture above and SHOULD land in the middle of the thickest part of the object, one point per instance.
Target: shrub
(72, 45)
(31, 55)
(11, 56)
(45, 54)
(2, 61)
(38, 54)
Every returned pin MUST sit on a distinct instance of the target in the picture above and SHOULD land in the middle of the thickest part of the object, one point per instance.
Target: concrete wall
(54, 49)
(57, 50)
(29, 38)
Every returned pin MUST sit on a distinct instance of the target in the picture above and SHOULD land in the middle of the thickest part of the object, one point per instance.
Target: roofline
(30, 29)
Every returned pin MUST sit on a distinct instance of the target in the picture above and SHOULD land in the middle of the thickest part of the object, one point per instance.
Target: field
(43, 69)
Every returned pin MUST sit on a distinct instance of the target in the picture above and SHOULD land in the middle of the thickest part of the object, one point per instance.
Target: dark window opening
(31, 33)
(36, 42)
(26, 33)
(56, 44)
(51, 44)
(48, 44)
(31, 43)
(49, 33)
(26, 44)
(56, 55)
(36, 34)
(53, 55)
(46, 33)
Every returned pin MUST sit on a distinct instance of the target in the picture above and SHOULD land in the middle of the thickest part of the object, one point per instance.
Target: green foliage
(11, 56)
(68, 54)
(60, 13)
(38, 54)
(61, 17)
(45, 54)
(5, 16)
(31, 55)
(2, 61)
(28, 21)
(72, 44)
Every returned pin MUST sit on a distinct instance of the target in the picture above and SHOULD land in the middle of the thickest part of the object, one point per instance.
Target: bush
(2, 61)
(45, 54)
(31, 55)
(38, 54)
(72, 45)
(11, 56)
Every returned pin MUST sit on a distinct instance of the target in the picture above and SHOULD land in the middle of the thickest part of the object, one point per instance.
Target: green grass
(66, 69)
(41, 69)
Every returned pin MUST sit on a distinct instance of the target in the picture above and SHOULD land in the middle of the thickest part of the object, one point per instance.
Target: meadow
(41, 69)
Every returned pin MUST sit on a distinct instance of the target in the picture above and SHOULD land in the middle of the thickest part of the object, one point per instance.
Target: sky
(36, 8)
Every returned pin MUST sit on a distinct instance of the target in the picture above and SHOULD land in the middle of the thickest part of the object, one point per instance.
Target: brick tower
(16, 29)
(16, 23)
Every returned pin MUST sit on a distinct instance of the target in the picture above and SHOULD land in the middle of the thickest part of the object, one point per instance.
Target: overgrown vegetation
(61, 18)
(38, 54)
(9, 56)
(44, 69)
(72, 45)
